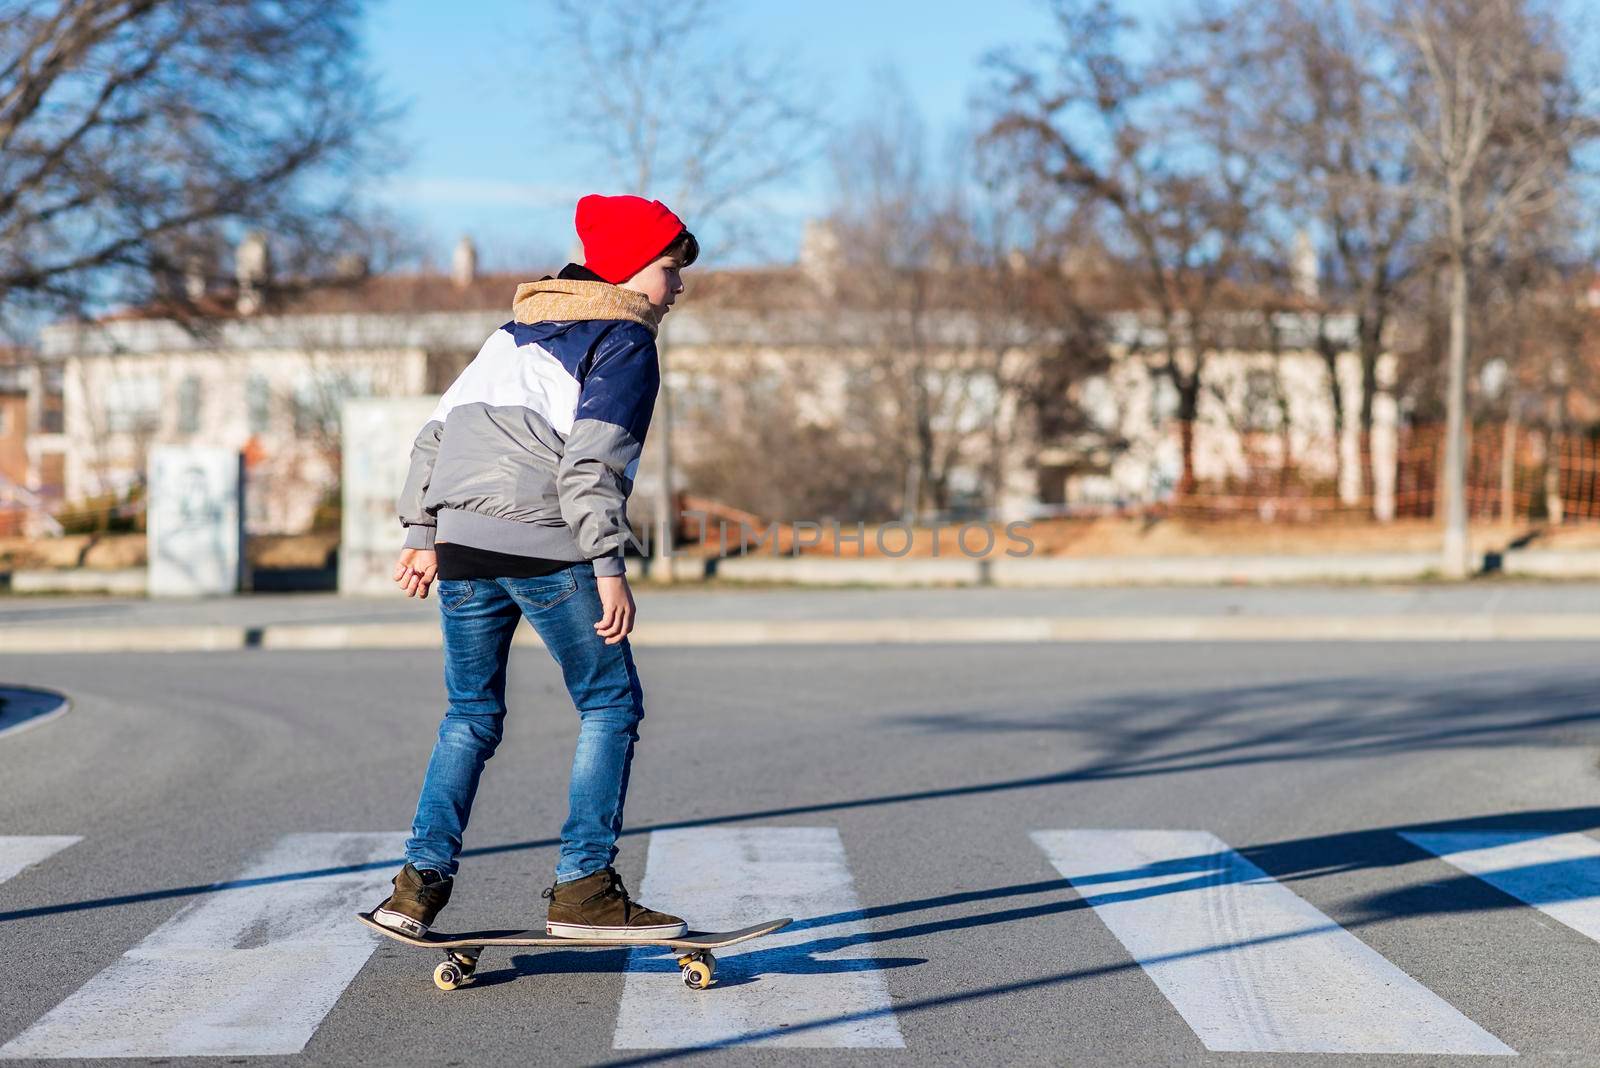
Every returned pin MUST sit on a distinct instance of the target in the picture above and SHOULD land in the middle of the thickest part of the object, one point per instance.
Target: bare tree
(1496, 121)
(889, 236)
(1159, 149)
(138, 137)
(1533, 333)
(1033, 333)
(950, 288)
(1344, 162)
(708, 150)
(674, 112)
(760, 451)
(904, 242)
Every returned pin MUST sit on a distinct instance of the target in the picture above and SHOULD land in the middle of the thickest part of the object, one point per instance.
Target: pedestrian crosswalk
(1250, 966)
(1558, 874)
(18, 852)
(254, 965)
(819, 986)
(251, 968)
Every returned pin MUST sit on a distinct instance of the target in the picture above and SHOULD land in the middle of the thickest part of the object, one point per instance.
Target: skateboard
(461, 951)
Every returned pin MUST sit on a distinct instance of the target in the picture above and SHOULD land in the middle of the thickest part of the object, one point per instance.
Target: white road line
(723, 878)
(1250, 966)
(251, 968)
(24, 851)
(1558, 874)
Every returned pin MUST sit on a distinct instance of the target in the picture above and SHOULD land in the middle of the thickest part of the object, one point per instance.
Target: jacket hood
(565, 300)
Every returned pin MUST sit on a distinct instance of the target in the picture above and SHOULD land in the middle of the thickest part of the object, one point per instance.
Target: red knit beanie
(622, 235)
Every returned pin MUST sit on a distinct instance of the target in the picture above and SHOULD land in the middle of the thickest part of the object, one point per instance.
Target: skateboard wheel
(447, 976)
(697, 975)
(466, 963)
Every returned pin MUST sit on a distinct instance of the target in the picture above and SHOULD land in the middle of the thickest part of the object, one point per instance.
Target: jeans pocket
(453, 593)
(546, 591)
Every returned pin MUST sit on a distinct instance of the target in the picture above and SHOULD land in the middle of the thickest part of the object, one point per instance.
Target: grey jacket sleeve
(420, 526)
(602, 450)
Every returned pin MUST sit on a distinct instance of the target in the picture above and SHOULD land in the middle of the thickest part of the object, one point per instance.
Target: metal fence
(1514, 473)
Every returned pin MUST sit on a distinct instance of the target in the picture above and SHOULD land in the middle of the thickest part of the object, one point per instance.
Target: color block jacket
(533, 449)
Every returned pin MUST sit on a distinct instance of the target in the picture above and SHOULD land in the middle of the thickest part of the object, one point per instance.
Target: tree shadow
(1285, 861)
(1164, 731)
(1155, 733)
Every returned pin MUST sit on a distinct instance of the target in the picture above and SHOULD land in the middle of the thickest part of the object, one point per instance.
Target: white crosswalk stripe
(807, 986)
(19, 852)
(249, 969)
(254, 965)
(1249, 965)
(1558, 874)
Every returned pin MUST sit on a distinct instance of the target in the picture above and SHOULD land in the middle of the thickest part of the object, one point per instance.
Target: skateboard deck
(462, 950)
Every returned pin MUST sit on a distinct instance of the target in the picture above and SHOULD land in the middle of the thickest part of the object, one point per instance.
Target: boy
(514, 507)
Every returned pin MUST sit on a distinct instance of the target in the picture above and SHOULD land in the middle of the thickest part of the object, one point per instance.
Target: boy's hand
(415, 570)
(616, 600)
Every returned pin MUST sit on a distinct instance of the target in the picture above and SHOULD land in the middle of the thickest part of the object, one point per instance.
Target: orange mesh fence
(1536, 474)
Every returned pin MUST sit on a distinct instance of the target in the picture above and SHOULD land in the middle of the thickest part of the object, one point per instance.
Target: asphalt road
(910, 804)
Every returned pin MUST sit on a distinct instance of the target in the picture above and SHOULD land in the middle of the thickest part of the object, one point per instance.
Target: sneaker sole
(396, 921)
(614, 934)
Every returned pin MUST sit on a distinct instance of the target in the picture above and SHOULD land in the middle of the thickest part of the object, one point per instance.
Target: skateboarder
(514, 507)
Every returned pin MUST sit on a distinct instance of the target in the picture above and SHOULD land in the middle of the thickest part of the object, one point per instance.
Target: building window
(133, 404)
(52, 405)
(319, 403)
(189, 405)
(258, 402)
(1262, 400)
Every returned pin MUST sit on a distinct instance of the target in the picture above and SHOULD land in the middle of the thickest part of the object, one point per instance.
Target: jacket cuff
(609, 565)
(420, 537)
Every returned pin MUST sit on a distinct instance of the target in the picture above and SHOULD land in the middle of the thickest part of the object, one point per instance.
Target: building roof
(395, 293)
(831, 301)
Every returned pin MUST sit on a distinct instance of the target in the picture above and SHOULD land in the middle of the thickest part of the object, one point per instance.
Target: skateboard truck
(699, 969)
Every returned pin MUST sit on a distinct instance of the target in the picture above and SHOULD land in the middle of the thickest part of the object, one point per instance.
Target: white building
(263, 377)
(266, 373)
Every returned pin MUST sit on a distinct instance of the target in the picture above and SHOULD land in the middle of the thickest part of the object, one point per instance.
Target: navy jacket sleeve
(602, 450)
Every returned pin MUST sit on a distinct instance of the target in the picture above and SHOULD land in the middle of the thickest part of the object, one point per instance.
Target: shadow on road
(733, 970)
(1286, 861)
(1151, 733)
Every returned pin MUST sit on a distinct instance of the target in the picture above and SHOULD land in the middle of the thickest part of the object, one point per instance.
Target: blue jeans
(478, 617)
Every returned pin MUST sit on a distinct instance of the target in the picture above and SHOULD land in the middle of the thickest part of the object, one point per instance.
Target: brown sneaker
(597, 906)
(418, 896)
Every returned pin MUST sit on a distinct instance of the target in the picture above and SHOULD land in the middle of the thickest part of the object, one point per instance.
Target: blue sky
(484, 158)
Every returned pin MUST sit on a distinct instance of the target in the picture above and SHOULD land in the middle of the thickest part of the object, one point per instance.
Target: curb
(288, 637)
